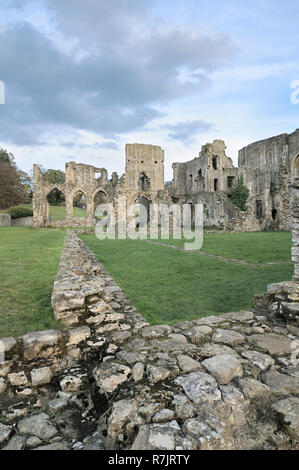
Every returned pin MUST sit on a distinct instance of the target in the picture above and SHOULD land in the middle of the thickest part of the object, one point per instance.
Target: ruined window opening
(214, 162)
(259, 209)
(79, 204)
(56, 201)
(191, 181)
(215, 185)
(98, 176)
(274, 214)
(230, 181)
(143, 182)
(100, 198)
(296, 168)
(200, 181)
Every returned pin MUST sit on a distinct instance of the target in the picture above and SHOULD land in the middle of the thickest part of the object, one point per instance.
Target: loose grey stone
(231, 395)
(224, 368)
(3, 385)
(37, 425)
(241, 317)
(213, 349)
(262, 361)
(230, 337)
(199, 387)
(77, 335)
(288, 409)
(18, 379)
(210, 321)
(187, 364)
(184, 408)
(5, 432)
(159, 331)
(33, 442)
(163, 416)
(109, 376)
(252, 388)
(138, 372)
(157, 374)
(16, 443)
(281, 383)
(272, 343)
(55, 446)
(35, 342)
(198, 334)
(56, 405)
(41, 376)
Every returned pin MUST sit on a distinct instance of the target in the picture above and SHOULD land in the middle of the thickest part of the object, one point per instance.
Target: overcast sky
(83, 78)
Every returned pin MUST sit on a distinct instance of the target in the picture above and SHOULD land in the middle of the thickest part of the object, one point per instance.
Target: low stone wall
(5, 220)
(23, 222)
(109, 380)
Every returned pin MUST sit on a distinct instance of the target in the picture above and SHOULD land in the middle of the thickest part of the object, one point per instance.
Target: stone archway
(56, 204)
(98, 198)
(295, 171)
(79, 204)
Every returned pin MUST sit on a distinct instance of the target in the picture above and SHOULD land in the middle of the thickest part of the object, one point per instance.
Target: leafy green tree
(56, 197)
(11, 189)
(240, 195)
(53, 176)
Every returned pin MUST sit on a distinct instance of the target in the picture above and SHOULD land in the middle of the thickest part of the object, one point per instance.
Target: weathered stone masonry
(111, 380)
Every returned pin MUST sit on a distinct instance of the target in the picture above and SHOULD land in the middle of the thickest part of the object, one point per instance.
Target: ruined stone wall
(148, 160)
(85, 179)
(266, 167)
(109, 380)
(209, 180)
(200, 173)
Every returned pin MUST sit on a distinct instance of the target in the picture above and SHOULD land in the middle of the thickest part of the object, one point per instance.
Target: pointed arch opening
(79, 204)
(56, 201)
(99, 198)
(296, 168)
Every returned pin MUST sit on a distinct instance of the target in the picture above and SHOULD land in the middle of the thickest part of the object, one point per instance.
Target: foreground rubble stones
(110, 380)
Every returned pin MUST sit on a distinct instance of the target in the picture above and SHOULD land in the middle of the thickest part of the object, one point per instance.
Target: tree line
(16, 186)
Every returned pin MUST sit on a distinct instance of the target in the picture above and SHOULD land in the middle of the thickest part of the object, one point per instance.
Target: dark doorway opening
(143, 183)
(144, 211)
(259, 209)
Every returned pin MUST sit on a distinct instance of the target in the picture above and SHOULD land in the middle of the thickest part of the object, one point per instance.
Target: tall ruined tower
(144, 168)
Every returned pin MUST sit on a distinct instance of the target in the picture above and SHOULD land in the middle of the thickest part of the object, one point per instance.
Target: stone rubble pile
(110, 380)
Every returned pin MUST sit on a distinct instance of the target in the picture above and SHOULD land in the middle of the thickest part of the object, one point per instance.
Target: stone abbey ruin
(266, 168)
(109, 380)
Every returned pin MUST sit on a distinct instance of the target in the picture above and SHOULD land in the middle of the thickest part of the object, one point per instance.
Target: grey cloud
(185, 131)
(116, 87)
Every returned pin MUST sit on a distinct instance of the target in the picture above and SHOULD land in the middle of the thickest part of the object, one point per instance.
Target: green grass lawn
(168, 285)
(253, 247)
(58, 212)
(29, 260)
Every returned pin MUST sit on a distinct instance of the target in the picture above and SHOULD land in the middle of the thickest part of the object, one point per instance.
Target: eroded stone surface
(224, 368)
(119, 383)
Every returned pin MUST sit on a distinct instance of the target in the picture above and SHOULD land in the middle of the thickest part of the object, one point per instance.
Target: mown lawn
(168, 285)
(29, 260)
(253, 247)
(58, 212)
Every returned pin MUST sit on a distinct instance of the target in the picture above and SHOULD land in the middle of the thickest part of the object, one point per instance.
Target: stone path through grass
(221, 258)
